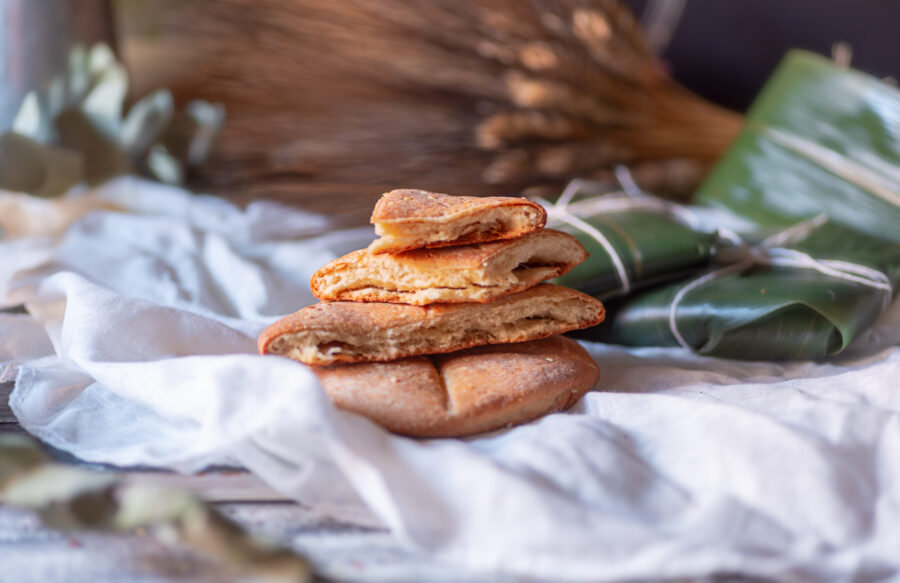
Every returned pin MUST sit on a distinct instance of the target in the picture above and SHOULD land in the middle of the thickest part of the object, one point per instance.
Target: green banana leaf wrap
(820, 141)
(652, 240)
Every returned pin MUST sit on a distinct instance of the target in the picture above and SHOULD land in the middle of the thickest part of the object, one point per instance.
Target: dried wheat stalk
(354, 97)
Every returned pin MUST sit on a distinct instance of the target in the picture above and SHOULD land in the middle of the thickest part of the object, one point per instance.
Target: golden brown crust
(413, 219)
(466, 392)
(409, 205)
(335, 332)
(480, 272)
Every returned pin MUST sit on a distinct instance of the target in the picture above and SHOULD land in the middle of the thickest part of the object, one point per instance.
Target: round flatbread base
(465, 392)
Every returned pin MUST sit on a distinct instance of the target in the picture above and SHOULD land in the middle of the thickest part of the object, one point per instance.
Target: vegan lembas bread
(414, 219)
(480, 272)
(466, 392)
(335, 332)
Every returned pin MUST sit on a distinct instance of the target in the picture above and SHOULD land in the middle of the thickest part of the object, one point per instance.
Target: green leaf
(819, 140)
(65, 496)
(76, 133)
(18, 454)
(100, 58)
(178, 517)
(55, 100)
(27, 166)
(103, 156)
(163, 166)
(146, 122)
(31, 121)
(652, 246)
(103, 102)
(79, 75)
(191, 135)
(68, 497)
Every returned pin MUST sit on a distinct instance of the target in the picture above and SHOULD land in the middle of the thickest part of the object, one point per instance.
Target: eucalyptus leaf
(163, 166)
(79, 75)
(103, 102)
(30, 121)
(21, 163)
(179, 517)
(27, 166)
(103, 156)
(191, 135)
(63, 169)
(99, 59)
(67, 497)
(18, 454)
(143, 505)
(76, 132)
(55, 102)
(53, 483)
(146, 122)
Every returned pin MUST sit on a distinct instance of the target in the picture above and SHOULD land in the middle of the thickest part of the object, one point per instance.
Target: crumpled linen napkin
(138, 348)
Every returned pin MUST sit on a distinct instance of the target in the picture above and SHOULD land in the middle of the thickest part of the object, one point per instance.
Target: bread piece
(414, 219)
(469, 273)
(334, 332)
(466, 392)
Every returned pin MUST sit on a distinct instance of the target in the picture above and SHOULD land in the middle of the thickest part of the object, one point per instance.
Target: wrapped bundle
(634, 240)
(774, 304)
(813, 177)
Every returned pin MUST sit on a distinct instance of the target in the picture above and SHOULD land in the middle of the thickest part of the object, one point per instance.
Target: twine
(630, 197)
(771, 253)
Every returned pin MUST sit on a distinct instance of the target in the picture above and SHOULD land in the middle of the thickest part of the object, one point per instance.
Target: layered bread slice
(481, 272)
(466, 392)
(336, 332)
(414, 219)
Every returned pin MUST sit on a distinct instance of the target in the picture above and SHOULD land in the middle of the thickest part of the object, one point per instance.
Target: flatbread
(481, 272)
(414, 219)
(335, 332)
(461, 393)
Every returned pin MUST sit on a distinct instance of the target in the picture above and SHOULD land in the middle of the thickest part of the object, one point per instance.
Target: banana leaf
(766, 312)
(820, 140)
(653, 242)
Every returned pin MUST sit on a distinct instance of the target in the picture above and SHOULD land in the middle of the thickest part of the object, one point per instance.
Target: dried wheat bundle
(330, 103)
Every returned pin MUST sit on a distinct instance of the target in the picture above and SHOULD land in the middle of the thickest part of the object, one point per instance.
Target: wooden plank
(8, 421)
(214, 486)
(6, 414)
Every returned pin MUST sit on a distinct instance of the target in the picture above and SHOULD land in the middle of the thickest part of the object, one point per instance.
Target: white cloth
(138, 348)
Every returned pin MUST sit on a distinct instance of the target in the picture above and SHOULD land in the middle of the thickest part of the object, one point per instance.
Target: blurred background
(331, 103)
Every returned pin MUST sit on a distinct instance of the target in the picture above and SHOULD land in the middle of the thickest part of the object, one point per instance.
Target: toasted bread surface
(480, 272)
(335, 332)
(466, 392)
(413, 219)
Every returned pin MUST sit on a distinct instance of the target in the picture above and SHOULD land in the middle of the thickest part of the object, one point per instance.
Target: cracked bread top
(466, 392)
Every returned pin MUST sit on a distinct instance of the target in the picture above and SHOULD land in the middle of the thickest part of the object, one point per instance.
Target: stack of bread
(442, 326)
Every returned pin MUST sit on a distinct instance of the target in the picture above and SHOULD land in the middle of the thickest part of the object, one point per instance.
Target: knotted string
(630, 197)
(772, 253)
